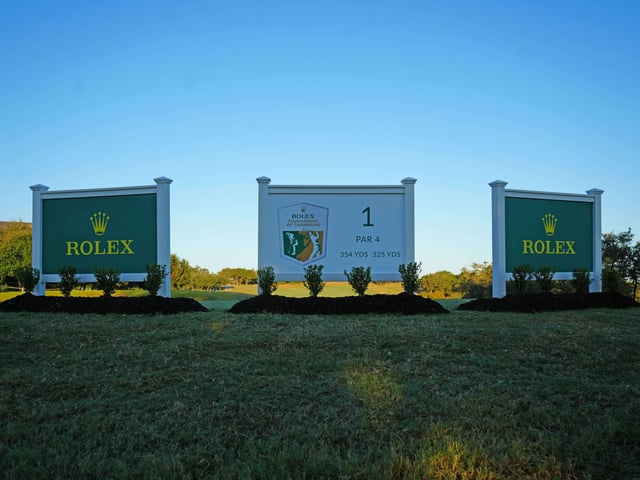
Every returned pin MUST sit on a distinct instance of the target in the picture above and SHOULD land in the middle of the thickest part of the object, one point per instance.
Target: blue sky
(213, 94)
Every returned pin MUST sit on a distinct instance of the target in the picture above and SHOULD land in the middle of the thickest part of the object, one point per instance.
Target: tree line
(620, 264)
(187, 277)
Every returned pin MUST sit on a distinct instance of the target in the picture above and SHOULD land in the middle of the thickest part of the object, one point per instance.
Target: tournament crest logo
(303, 232)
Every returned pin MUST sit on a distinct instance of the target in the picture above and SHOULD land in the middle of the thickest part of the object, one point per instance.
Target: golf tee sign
(545, 229)
(338, 227)
(124, 229)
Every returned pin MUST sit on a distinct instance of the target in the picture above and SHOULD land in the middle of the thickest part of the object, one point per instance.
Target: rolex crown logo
(99, 222)
(549, 221)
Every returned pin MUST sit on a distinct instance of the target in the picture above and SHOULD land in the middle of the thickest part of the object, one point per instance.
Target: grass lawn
(212, 395)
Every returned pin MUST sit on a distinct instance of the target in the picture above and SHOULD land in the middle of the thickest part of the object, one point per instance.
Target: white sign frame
(498, 229)
(161, 189)
(277, 202)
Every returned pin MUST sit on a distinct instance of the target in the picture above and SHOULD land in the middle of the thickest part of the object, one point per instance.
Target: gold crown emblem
(549, 221)
(99, 222)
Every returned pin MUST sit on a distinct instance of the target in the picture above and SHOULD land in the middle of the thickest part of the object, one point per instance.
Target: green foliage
(184, 276)
(476, 282)
(107, 280)
(180, 273)
(267, 280)
(634, 269)
(28, 278)
(410, 274)
(580, 281)
(313, 279)
(155, 276)
(544, 278)
(620, 254)
(442, 284)
(472, 282)
(612, 281)
(68, 280)
(238, 276)
(15, 249)
(359, 279)
(521, 275)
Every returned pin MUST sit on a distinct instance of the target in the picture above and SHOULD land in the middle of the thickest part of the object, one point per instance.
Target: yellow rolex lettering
(548, 250)
(72, 247)
(97, 249)
(548, 247)
(86, 248)
(112, 247)
(126, 247)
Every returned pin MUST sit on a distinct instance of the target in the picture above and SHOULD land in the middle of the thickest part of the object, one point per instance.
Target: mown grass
(213, 395)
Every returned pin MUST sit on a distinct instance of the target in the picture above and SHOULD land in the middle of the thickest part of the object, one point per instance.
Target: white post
(264, 229)
(499, 280)
(36, 235)
(163, 211)
(596, 284)
(409, 215)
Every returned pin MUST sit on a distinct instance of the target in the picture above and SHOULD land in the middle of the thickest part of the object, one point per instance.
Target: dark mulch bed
(402, 303)
(124, 305)
(545, 302)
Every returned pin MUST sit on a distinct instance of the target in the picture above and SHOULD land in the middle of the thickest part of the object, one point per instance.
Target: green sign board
(109, 231)
(553, 233)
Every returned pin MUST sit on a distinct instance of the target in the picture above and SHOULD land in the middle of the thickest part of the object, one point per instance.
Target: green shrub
(28, 278)
(580, 281)
(68, 280)
(410, 274)
(107, 280)
(612, 281)
(267, 280)
(155, 276)
(313, 279)
(521, 275)
(544, 278)
(359, 279)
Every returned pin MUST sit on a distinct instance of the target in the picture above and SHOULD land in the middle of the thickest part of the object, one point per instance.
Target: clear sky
(213, 94)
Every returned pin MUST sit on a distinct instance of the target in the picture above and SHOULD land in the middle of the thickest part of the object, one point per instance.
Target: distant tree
(180, 273)
(203, 279)
(15, 249)
(619, 254)
(475, 282)
(239, 276)
(442, 284)
(634, 269)
(617, 251)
